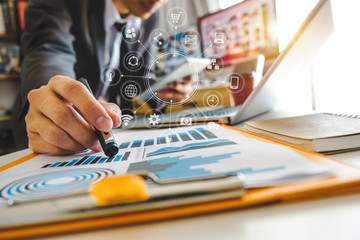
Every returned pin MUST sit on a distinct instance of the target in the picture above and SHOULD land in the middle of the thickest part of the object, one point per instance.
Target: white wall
(337, 81)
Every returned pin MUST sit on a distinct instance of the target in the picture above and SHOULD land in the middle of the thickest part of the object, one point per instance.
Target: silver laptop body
(312, 34)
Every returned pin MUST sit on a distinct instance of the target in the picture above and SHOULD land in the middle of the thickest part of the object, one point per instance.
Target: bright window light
(228, 3)
(334, 71)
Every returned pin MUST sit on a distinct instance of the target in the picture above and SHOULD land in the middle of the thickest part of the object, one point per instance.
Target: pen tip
(111, 149)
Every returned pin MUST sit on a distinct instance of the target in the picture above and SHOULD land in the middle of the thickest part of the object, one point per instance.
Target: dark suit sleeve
(47, 50)
(46, 43)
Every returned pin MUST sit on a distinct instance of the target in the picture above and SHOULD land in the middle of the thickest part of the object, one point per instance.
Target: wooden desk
(326, 218)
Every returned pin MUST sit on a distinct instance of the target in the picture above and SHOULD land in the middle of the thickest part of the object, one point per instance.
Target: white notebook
(319, 132)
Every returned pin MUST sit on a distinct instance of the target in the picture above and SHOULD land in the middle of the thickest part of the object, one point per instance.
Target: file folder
(346, 180)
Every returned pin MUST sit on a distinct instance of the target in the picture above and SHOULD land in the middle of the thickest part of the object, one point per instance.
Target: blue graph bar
(95, 160)
(124, 145)
(206, 133)
(196, 135)
(72, 163)
(46, 166)
(63, 164)
(184, 137)
(161, 140)
(192, 146)
(88, 160)
(55, 164)
(102, 160)
(110, 159)
(126, 156)
(149, 142)
(136, 143)
(117, 158)
(173, 138)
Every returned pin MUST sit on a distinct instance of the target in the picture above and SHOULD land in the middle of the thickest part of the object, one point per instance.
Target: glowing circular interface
(174, 64)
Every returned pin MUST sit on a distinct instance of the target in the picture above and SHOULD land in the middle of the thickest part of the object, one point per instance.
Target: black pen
(106, 139)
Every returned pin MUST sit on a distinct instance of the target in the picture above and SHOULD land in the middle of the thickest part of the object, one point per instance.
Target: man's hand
(177, 91)
(61, 116)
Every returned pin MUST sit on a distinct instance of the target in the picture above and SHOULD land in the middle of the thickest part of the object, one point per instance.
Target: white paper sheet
(169, 153)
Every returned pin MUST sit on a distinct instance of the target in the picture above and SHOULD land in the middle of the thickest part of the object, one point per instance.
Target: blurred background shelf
(8, 36)
(7, 144)
(5, 118)
(11, 26)
(13, 76)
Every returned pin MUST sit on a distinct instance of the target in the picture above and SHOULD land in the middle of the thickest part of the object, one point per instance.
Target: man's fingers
(36, 122)
(75, 92)
(39, 145)
(64, 116)
(114, 112)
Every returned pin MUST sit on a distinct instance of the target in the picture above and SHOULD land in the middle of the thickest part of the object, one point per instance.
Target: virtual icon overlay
(186, 118)
(130, 89)
(153, 119)
(111, 76)
(159, 38)
(215, 66)
(236, 82)
(131, 33)
(184, 65)
(133, 61)
(176, 17)
(190, 39)
(127, 118)
(213, 99)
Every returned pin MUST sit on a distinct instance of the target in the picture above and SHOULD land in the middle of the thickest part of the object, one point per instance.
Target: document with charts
(174, 153)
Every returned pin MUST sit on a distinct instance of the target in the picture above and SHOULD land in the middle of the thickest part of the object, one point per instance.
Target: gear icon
(154, 119)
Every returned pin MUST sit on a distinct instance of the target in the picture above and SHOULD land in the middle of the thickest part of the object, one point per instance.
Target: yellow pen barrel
(119, 189)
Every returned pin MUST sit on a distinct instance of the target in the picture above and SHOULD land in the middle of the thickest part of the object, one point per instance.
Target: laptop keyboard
(228, 111)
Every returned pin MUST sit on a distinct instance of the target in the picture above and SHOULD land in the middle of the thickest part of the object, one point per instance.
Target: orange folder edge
(347, 181)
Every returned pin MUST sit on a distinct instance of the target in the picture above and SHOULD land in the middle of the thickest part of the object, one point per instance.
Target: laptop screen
(241, 32)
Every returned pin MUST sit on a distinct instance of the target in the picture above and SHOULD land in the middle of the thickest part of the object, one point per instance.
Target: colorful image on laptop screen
(240, 32)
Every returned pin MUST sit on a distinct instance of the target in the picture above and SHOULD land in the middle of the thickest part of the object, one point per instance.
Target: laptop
(312, 34)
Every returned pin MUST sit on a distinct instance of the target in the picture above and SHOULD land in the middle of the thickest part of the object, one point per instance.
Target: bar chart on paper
(178, 137)
(193, 139)
(88, 160)
(166, 165)
(191, 167)
(179, 153)
(212, 152)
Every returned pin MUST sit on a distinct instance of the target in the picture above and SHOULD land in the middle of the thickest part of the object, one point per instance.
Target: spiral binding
(344, 115)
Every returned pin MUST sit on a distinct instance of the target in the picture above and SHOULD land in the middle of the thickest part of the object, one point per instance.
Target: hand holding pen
(61, 115)
(106, 138)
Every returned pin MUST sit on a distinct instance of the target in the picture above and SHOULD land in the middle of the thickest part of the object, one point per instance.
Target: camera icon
(185, 121)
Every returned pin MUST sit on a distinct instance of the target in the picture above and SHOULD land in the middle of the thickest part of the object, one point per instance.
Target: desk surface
(326, 218)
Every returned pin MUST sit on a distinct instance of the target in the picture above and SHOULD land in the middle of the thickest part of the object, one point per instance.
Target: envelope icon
(191, 39)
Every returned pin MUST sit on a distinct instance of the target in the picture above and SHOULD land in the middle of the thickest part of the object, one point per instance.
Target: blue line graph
(192, 146)
(180, 167)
